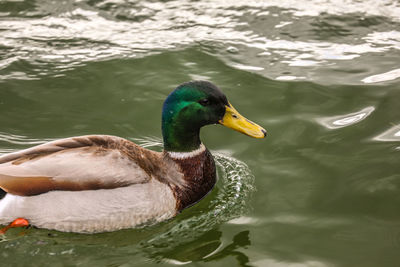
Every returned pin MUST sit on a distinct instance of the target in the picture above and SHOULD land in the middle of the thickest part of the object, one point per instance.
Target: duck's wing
(73, 164)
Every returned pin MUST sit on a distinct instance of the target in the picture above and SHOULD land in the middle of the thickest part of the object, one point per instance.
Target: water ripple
(20, 139)
(79, 31)
(393, 134)
(341, 121)
(387, 76)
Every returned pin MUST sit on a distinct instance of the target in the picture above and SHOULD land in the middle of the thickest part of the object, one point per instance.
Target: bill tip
(264, 132)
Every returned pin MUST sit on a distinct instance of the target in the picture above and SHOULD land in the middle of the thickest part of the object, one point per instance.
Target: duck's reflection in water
(208, 248)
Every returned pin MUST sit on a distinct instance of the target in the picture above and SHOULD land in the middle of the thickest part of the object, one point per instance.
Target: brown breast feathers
(200, 177)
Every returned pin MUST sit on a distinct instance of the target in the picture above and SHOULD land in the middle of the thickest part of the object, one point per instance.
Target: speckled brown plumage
(155, 164)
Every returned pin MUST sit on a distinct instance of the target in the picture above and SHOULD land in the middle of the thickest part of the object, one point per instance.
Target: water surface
(322, 77)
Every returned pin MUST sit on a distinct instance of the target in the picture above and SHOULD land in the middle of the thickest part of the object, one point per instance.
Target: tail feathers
(2, 193)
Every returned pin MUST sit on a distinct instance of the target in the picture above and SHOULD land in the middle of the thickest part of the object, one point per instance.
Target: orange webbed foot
(20, 222)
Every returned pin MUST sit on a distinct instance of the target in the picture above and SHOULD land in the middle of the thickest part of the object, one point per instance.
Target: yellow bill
(232, 119)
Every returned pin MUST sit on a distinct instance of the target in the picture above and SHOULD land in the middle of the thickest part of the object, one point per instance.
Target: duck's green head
(193, 105)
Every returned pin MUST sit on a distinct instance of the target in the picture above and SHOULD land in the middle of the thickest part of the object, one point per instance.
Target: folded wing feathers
(91, 162)
(52, 147)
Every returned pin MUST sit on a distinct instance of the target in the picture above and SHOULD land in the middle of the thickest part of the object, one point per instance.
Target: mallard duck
(99, 183)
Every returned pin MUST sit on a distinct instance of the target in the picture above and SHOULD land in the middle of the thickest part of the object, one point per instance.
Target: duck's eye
(204, 102)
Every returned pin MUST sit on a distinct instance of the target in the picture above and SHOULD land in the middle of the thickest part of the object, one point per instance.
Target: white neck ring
(185, 155)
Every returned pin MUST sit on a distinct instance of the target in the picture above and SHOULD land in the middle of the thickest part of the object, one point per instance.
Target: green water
(323, 189)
